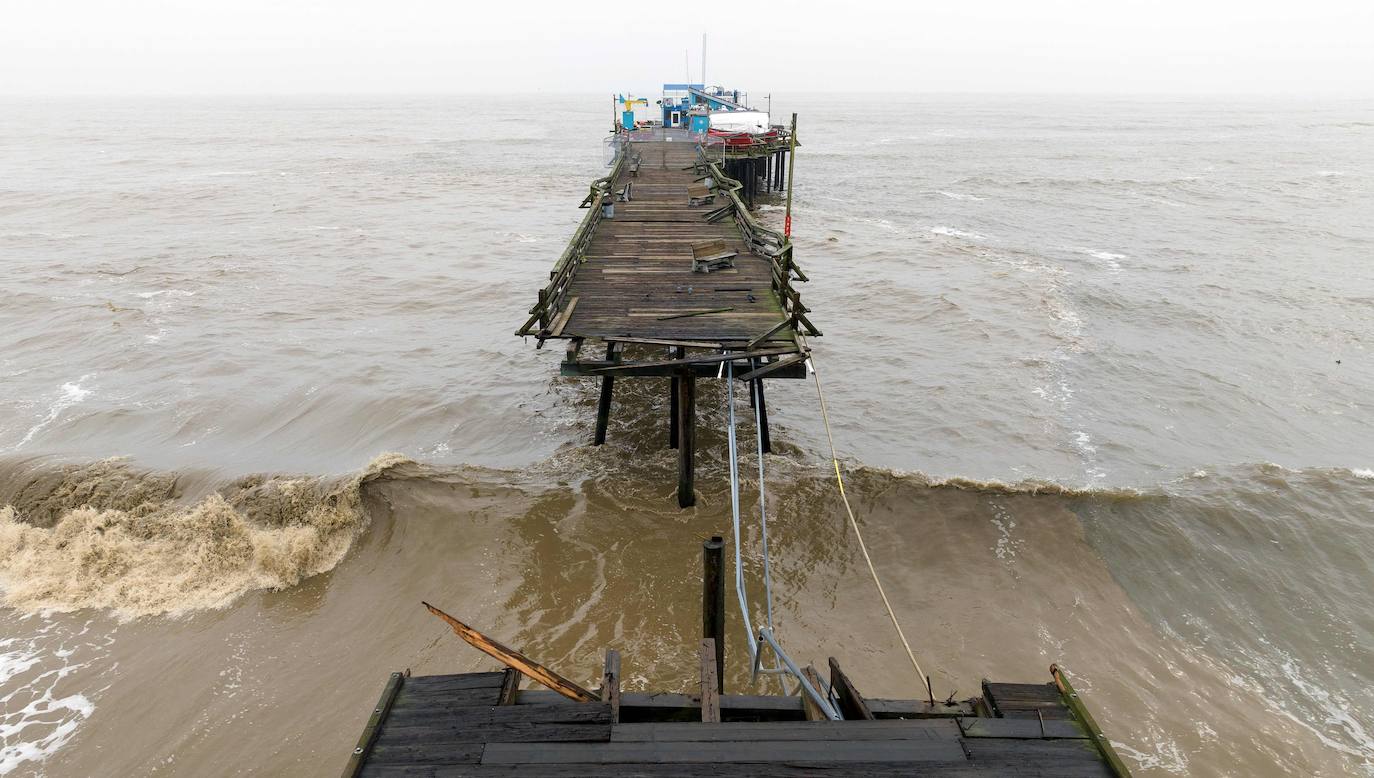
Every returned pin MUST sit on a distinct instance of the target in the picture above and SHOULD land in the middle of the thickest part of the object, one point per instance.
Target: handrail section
(769, 243)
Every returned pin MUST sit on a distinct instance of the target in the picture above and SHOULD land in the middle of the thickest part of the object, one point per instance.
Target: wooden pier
(477, 724)
(670, 274)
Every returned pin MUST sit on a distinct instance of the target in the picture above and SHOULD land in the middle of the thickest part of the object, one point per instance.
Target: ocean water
(1099, 371)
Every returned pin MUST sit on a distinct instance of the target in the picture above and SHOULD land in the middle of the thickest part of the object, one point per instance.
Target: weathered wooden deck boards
(456, 725)
(638, 264)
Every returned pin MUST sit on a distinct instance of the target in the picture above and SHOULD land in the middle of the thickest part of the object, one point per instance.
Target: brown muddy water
(261, 398)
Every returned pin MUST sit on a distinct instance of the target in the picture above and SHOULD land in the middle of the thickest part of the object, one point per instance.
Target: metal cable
(754, 390)
(734, 509)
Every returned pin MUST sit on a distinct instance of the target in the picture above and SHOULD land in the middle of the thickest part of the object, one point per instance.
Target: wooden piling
(713, 601)
(686, 438)
(678, 353)
(762, 404)
(603, 407)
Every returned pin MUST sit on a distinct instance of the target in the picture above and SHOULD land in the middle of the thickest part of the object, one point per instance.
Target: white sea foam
(953, 233)
(70, 394)
(36, 720)
(167, 292)
(959, 196)
(1329, 173)
(1361, 472)
(1109, 258)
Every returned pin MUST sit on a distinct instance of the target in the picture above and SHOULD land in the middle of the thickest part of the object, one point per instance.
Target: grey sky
(425, 46)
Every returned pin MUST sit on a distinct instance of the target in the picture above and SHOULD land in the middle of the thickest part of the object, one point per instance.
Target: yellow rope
(834, 458)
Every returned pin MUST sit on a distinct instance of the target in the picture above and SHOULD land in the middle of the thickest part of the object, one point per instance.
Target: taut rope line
(873, 571)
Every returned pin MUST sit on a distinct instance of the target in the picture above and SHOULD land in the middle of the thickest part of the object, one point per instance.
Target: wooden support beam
(713, 600)
(773, 366)
(761, 403)
(687, 439)
(663, 706)
(813, 711)
(374, 725)
(510, 685)
(610, 684)
(603, 405)
(562, 320)
(852, 705)
(512, 658)
(664, 342)
(701, 360)
(775, 329)
(678, 353)
(710, 693)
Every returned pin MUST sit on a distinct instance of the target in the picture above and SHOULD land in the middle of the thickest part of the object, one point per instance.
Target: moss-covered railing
(768, 243)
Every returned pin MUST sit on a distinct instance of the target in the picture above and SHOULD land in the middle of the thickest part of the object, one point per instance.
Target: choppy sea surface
(1099, 369)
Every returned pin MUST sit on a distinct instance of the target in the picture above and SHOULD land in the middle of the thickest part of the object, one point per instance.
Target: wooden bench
(625, 193)
(634, 166)
(699, 194)
(712, 255)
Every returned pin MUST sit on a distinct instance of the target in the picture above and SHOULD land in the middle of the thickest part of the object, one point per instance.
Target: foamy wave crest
(951, 232)
(106, 536)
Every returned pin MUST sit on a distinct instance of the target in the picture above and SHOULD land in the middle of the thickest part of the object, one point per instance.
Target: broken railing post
(512, 658)
(686, 438)
(713, 601)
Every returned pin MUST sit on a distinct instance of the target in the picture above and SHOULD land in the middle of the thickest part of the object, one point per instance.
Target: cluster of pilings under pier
(765, 173)
(682, 413)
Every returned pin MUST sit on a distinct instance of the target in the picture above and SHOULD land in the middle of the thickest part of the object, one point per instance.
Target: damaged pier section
(670, 274)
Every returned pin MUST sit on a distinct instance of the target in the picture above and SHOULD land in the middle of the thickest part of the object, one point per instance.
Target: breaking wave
(106, 535)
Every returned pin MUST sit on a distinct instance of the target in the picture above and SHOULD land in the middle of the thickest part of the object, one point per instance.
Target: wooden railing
(768, 243)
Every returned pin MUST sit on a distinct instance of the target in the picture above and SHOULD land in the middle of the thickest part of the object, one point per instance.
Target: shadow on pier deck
(669, 274)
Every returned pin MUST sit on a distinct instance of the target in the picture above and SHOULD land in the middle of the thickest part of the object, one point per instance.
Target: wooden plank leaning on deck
(852, 705)
(513, 658)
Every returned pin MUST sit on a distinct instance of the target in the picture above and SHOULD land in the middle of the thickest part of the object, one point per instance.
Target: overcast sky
(427, 46)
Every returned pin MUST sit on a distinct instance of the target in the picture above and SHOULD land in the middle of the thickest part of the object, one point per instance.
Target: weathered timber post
(763, 415)
(678, 353)
(713, 601)
(603, 407)
(791, 168)
(686, 438)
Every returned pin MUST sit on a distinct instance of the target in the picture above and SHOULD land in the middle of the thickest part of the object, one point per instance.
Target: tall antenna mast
(687, 65)
(703, 60)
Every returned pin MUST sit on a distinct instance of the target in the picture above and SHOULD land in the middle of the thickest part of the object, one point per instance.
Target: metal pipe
(766, 635)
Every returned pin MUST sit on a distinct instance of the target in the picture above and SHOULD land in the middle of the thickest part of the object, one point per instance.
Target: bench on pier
(634, 166)
(699, 194)
(625, 193)
(712, 255)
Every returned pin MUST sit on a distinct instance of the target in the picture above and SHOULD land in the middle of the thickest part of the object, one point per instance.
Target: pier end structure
(669, 274)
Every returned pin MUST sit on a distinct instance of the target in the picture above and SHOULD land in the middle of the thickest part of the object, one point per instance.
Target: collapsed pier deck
(669, 274)
(637, 268)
